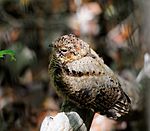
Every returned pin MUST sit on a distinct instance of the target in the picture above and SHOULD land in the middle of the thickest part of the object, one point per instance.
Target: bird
(79, 75)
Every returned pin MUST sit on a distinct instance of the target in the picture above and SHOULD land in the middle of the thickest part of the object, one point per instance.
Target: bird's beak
(51, 45)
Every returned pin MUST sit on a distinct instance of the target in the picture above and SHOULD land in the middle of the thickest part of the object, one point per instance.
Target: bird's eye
(64, 50)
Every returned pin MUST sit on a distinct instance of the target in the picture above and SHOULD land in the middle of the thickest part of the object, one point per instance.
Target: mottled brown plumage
(81, 76)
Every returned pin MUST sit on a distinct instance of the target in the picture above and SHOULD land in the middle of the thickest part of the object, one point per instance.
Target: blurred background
(118, 30)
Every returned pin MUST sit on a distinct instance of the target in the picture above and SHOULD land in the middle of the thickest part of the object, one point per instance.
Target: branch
(85, 114)
(72, 118)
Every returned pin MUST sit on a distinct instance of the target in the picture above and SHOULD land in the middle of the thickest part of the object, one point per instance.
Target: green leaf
(11, 53)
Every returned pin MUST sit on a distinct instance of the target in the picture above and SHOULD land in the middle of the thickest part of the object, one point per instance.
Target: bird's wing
(123, 104)
(94, 84)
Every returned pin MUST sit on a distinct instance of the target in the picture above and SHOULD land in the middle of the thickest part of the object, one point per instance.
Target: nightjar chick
(81, 76)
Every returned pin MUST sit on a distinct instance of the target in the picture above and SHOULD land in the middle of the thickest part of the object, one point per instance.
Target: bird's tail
(120, 108)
